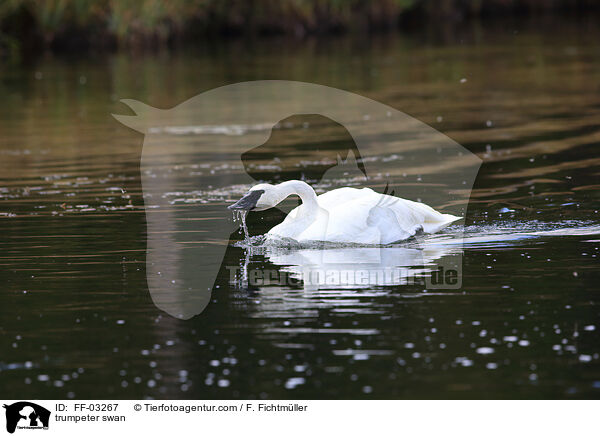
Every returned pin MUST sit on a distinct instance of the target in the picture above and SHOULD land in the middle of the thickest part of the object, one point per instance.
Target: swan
(344, 215)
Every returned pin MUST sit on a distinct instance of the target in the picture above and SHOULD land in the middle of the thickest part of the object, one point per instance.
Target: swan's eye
(248, 201)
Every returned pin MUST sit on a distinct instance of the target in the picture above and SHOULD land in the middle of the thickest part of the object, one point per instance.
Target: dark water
(76, 317)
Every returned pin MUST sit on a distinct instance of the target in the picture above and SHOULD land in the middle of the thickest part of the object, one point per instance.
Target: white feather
(349, 215)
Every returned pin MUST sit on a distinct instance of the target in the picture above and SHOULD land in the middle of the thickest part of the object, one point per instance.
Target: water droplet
(293, 382)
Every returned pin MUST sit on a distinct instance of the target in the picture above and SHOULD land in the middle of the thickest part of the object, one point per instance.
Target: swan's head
(260, 197)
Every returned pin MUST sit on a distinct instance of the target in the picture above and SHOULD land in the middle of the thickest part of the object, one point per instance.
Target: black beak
(248, 201)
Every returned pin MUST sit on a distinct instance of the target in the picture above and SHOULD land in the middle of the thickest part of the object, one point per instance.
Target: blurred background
(66, 25)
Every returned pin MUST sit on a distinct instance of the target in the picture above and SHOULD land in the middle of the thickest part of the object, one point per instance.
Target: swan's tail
(435, 225)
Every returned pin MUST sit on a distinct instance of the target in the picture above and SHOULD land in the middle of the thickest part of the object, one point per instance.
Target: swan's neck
(304, 191)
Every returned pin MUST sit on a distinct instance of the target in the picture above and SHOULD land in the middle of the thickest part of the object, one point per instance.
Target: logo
(193, 152)
(26, 415)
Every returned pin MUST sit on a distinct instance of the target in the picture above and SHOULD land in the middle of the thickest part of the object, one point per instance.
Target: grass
(30, 24)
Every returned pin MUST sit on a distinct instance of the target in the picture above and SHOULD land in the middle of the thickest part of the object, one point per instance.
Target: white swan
(344, 215)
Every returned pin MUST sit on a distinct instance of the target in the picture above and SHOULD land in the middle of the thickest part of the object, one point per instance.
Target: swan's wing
(348, 223)
(391, 229)
(365, 216)
(411, 213)
(396, 218)
(350, 213)
(335, 198)
(341, 196)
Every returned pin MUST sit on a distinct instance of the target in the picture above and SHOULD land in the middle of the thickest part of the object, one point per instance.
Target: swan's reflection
(345, 268)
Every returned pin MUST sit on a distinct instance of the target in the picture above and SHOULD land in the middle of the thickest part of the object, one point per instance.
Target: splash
(241, 216)
(507, 233)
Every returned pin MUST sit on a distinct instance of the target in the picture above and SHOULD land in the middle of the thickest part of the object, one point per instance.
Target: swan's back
(363, 216)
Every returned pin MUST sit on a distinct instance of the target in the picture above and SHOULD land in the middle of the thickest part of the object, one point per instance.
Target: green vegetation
(26, 25)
